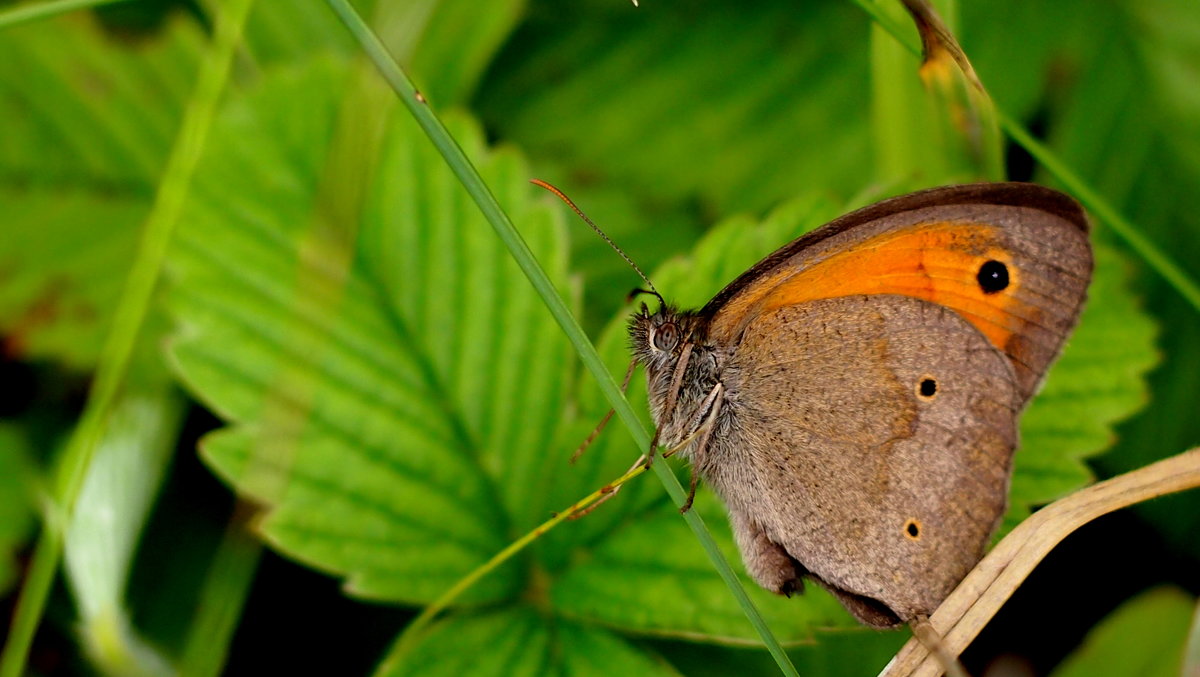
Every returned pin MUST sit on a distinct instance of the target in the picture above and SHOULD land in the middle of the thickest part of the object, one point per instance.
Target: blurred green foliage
(1145, 636)
(393, 393)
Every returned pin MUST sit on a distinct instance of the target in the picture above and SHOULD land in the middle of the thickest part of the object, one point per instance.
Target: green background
(341, 341)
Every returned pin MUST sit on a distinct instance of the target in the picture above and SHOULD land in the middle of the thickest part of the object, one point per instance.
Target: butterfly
(853, 398)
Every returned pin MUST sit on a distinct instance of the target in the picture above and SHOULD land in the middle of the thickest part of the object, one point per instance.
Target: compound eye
(666, 337)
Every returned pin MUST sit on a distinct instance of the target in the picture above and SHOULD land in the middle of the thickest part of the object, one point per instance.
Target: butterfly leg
(704, 430)
(607, 493)
(672, 400)
(765, 560)
(648, 457)
(604, 421)
(703, 421)
(713, 402)
(687, 505)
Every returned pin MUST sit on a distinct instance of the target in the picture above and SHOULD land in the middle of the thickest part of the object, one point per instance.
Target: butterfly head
(680, 368)
(658, 338)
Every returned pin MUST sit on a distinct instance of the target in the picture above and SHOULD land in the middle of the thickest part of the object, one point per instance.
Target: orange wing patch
(938, 262)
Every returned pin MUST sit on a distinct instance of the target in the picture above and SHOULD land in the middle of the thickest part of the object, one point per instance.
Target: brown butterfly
(853, 397)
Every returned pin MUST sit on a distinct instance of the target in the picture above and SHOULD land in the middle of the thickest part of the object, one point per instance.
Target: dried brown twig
(981, 594)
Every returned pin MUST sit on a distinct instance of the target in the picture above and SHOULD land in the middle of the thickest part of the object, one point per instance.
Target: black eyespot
(927, 387)
(666, 337)
(912, 529)
(992, 277)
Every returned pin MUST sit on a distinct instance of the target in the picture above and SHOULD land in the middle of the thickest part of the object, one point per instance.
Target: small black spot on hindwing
(912, 529)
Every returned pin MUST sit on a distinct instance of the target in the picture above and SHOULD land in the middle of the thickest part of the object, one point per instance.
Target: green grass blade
(221, 600)
(480, 193)
(130, 317)
(25, 13)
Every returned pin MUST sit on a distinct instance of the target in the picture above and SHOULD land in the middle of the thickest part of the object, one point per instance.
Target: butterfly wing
(875, 372)
(871, 443)
(1012, 259)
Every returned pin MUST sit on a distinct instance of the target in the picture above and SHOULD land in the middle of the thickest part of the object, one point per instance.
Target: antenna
(606, 238)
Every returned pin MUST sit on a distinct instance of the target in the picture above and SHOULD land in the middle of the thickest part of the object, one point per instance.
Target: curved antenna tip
(562, 196)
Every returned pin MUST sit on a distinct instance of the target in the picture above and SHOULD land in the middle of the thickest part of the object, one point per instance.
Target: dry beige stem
(981, 594)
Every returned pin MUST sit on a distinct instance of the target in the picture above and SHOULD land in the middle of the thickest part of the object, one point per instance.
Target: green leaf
(113, 140)
(77, 172)
(395, 405)
(595, 652)
(509, 642)
(16, 500)
(1191, 650)
(279, 33)
(517, 641)
(847, 651)
(59, 287)
(89, 119)
(650, 576)
(639, 99)
(1144, 636)
(445, 44)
